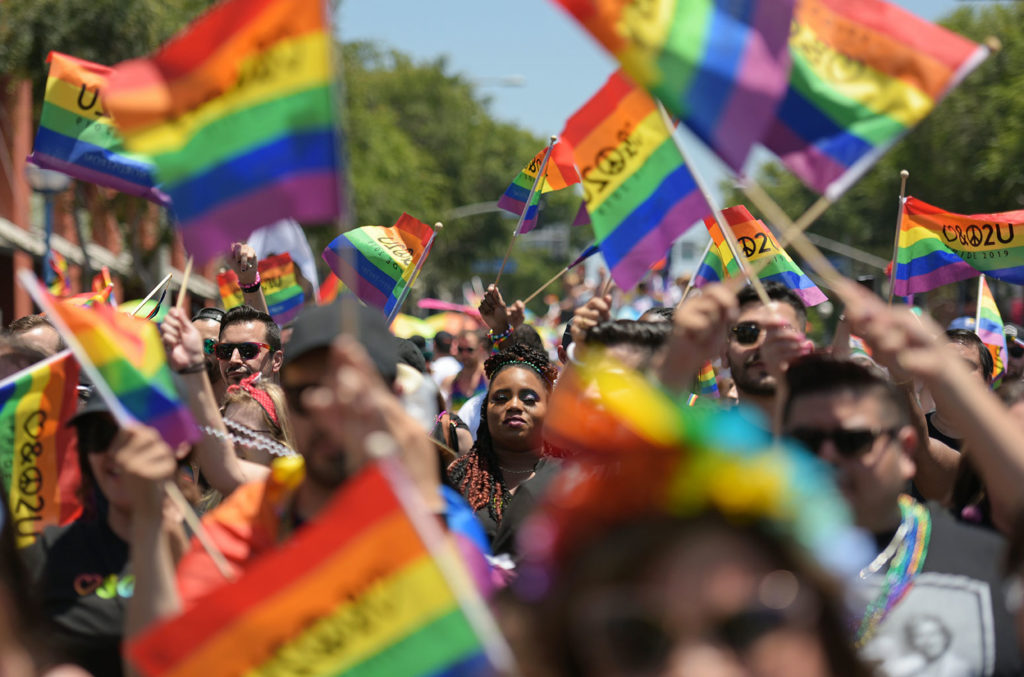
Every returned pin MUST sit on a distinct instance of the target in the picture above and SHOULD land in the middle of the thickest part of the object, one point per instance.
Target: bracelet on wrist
(253, 287)
(196, 368)
(497, 338)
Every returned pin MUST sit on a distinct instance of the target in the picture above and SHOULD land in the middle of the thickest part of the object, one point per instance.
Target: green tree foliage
(964, 157)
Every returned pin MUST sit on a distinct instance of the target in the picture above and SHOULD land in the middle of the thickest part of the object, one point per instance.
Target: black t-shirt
(953, 621)
(934, 433)
(520, 506)
(83, 579)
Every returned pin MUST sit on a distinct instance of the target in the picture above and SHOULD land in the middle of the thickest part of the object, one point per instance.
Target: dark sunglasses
(463, 349)
(849, 443)
(1015, 349)
(746, 333)
(247, 350)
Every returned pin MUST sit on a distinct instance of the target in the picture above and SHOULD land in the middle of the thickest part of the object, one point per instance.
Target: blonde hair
(282, 428)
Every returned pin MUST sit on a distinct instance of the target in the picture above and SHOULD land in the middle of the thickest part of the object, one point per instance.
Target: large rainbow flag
(283, 294)
(864, 73)
(719, 67)
(377, 262)
(239, 117)
(937, 247)
(38, 454)
(559, 173)
(129, 357)
(353, 593)
(638, 192)
(758, 242)
(989, 327)
(77, 137)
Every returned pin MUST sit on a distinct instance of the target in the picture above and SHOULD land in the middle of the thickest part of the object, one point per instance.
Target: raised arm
(245, 264)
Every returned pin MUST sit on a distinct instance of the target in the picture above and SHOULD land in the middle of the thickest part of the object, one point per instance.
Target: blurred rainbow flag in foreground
(356, 592)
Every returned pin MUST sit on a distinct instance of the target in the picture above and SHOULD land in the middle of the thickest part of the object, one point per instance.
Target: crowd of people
(552, 462)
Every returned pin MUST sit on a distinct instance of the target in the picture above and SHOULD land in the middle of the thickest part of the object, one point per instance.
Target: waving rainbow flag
(355, 592)
(864, 73)
(989, 327)
(720, 67)
(377, 262)
(61, 284)
(706, 381)
(558, 174)
(638, 192)
(758, 242)
(77, 137)
(937, 247)
(38, 457)
(238, 115)
(283, 294)
(129, 358)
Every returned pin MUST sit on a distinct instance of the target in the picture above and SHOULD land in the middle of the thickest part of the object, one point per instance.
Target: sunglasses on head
(247, 350)
(850, 443)
(746, 333)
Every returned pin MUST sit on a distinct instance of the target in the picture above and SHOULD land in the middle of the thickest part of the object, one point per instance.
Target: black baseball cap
(209, 313)
(318, 326)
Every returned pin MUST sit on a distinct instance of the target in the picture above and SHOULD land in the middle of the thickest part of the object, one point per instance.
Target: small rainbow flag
(283, 294)
(129, 357)
(558, 174)
(989, 328)
(638, 192)
(355, 592)
(719, 67)
(330, 288)
(238, 115)
(937, 247)
(377, 262)
(77, 137)
(758, 242)
(104, 297)
(706, 381)
(864, 73)
(38, 457)
(61, 285)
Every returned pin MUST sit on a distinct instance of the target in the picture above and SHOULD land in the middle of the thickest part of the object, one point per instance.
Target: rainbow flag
(377, 262)
(104, 297)
(558, 174)
(638, 192)
(719, 67)
(758, 242)
(38, 454)
(989, 328)
(61, 285)
(129, 357)
(937, 247)
(77, 137)
(330, 288)
(864, 73)
(355, 592)
(706, 381)
(283, 294)
(238, 115)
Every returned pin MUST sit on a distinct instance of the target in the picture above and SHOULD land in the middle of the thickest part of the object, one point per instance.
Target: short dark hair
(528, 336)
(27, 323)
(651, 335)
(969, 339)
(442, 342)
(658, 314)
(819, 374)
(240, 314)
(776, 292)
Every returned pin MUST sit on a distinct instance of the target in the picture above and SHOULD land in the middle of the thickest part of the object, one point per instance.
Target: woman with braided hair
(502, 473)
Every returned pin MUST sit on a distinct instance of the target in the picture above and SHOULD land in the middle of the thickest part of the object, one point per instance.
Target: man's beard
(746, 385)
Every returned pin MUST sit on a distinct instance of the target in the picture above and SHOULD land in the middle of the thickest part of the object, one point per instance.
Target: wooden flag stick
(190, 517)
(689, 283)
(810, 253)
(977, 312)
(184, 284)
(152, 293)
(730, 237)
(546, 285)
(904, 175)
(522, 217)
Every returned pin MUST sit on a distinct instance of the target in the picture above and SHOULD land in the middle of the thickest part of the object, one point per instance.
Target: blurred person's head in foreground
(38, 333)
(634, 344)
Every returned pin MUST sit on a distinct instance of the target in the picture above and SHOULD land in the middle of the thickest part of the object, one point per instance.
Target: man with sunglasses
(207, 322)
(929, 565)
(249, 343)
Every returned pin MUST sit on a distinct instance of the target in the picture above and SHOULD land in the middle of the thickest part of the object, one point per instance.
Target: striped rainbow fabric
(38, 457)
(61, 284)
(938, 247)
(377, 262)
(77, 137)
(720, 67)
(758, 242)
(353, 593)
(281, 290)
(129, 356)
(639, 194)
(706, 381)
(558, 174)
(239, 117)
(864, 73)
(989, 327)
